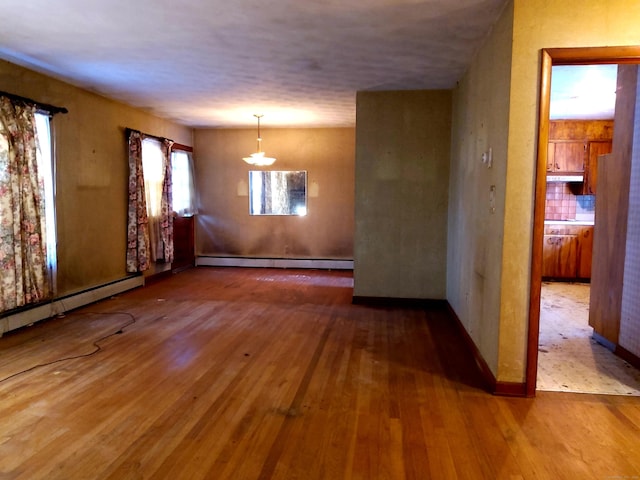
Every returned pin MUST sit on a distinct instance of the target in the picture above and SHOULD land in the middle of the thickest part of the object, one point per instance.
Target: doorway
(581, 123)
(551, 58)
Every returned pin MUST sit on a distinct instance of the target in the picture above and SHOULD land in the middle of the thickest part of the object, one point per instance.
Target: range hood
(566, 177)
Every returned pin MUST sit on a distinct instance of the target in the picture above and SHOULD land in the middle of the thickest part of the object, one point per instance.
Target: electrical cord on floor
(95, 343)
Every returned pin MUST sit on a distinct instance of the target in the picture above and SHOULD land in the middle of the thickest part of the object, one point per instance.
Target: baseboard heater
(320, 264)
(67, 303)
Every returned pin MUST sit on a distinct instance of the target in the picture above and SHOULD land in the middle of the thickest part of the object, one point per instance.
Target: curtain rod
(51, 109)
(128, 131)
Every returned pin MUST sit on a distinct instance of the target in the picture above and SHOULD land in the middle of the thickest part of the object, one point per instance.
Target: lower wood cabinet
(183, 243)
(559, 256)
(566, 252)
(585, 252)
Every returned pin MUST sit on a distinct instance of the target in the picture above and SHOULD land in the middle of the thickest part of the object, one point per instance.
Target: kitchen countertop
(569, 222)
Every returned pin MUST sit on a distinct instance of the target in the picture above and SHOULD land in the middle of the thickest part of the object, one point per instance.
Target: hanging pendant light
(258, 158)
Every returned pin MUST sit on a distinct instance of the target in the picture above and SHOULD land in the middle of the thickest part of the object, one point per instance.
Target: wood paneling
(612, 208)
(257, 374)
(580, 130)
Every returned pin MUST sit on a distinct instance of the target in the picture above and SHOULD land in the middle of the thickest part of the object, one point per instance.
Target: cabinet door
(585, 251)
(551, 156)
(183, 243)
(591, 170)
(569, 156)
(559, 256)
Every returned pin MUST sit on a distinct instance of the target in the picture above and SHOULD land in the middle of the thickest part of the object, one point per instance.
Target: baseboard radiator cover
(67, 303)
(310, 263)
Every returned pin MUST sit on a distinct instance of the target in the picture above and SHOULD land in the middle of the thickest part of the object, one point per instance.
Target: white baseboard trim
(320, 264)
(65, 304)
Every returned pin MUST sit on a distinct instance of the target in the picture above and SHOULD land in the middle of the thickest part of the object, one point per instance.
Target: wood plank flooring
(222, 373)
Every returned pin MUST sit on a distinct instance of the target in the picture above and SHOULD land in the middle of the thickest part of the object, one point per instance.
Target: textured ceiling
(215, 63)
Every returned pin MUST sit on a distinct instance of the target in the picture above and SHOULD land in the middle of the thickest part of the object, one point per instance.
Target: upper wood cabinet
(566, 156)
(594, 149)
(574, 146)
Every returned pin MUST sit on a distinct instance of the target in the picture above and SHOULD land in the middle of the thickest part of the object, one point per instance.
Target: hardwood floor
(221, 373)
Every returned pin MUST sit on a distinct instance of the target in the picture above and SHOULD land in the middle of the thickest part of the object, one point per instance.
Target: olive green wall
(224, 226)
(402, 175)
(91, 174)
(480, 123)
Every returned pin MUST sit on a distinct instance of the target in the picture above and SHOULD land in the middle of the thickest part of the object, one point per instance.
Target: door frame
(551, 57)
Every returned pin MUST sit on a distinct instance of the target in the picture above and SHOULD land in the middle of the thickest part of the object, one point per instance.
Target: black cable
(95, 343)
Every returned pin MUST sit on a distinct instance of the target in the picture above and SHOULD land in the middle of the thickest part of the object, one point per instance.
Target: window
(183, 184)
(27, 220)
(45, 165)
(181, 178)
(150, 230)
(153, 175)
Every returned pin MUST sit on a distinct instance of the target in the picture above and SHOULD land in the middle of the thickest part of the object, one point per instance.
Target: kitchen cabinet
(584, 252)
(559, 257)
(566, 156)
(594, 149)
(574, 146)
(567, 250)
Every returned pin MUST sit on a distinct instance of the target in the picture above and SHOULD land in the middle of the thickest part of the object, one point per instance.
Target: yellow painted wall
(402, 170)
(496, 104)
(91, 174)
(539, 24)
(224, 226)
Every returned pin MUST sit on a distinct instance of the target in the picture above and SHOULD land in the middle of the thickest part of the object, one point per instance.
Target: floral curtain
(166, 204)
(24, 275)
(137, 227)
(150, 219)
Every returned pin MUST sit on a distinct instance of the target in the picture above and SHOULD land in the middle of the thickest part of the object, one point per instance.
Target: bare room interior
(320, 240)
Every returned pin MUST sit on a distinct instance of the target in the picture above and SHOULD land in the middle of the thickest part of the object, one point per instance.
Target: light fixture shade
(258, 158)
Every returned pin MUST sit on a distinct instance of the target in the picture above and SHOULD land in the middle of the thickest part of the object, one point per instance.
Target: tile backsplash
(563, 204)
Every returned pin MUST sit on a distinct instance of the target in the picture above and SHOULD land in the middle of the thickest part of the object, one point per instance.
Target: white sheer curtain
(45, 165)
(184, 203)
(152, 166)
